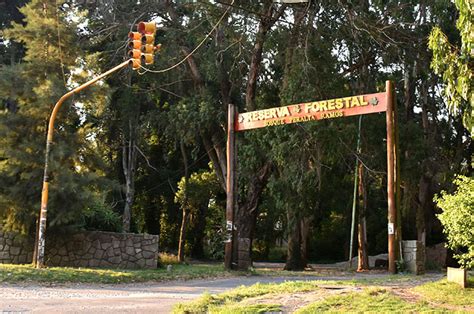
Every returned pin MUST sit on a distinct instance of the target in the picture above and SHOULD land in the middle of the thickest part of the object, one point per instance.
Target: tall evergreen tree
(50, 37)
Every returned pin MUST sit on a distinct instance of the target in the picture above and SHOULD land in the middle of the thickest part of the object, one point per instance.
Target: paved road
(124, 298)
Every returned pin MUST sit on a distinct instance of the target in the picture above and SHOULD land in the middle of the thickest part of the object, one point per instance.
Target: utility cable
(194, 50)
(59, 44)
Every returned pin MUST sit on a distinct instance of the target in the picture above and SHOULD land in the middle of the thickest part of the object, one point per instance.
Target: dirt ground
(160, 297)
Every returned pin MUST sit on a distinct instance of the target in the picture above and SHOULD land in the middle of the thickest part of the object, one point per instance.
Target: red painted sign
(312, 111)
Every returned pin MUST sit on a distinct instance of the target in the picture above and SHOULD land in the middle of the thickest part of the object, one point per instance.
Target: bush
(101, 216)
(214, 248)
(457, 219)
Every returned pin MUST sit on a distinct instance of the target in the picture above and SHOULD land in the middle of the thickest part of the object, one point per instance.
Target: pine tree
(49, 36)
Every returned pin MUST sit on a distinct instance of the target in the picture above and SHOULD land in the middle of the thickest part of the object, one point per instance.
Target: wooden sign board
(312, 111)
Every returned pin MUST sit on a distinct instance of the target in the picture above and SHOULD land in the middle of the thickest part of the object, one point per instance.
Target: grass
(371, 300)
(448, 293)
(246, 309)
(223, 303)
(438, 297)
(228, 301)
(21, 273)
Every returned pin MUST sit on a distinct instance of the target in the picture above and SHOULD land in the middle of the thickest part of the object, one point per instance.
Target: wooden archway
(312, 111)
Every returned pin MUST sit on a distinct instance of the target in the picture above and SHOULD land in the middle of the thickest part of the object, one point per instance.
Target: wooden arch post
(230, 187)
(392, 179)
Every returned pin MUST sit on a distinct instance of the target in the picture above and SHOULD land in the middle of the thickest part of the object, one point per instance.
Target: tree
(194, 194)
(50, 64)
(455, 64)
(10, 52)
(458, 219)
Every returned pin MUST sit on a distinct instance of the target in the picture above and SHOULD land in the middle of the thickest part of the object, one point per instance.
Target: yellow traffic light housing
(148, 49)
(146, 27)
(148, 39)
(134, 46)
(142, 44)
(148, 58)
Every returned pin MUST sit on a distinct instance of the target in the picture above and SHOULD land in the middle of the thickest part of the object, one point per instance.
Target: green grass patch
(221, 304)
(245, 309)
(230, 300)
(372, 300)
(448, 293)
(20, 273)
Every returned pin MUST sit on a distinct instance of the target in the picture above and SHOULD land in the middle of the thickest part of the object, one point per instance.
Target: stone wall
(85, 249)
(15, 248)
(414, 256)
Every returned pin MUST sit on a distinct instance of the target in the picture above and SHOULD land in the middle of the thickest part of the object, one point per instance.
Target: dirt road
(129, 298)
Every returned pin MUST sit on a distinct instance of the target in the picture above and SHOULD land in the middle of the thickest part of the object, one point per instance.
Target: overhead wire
(176, 65)
(194, 50)
(59, 45)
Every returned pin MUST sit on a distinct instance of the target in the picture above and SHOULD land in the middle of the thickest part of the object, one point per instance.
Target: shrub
(101, 216)
(457, 219)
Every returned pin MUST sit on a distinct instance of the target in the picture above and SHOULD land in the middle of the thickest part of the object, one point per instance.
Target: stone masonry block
(458, 275)
(99, 254)
(14, 250)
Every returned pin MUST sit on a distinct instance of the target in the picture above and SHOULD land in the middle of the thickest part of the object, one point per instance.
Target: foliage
(20, 273)
(313, 51)
(200, 201)
(458, 219)
(101, 216)
(202, 186)
(455, 64)
(215, 226)
(47, 71)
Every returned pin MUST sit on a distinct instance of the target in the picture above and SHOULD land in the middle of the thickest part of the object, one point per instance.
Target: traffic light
(148, 30)
(142, 44)
(134, 46)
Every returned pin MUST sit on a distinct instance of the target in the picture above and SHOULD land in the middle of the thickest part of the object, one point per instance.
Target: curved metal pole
(40, 238)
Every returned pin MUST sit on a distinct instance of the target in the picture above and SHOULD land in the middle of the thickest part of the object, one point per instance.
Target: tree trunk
(198, 248)
(182, 234)
(305, 228)
(246, 216)
(294, 259)
(268, 18)
(246, 213)
(152, 216)
(35, 249)
(423, 200)
(363, 261)
(184, 221)
(129, 158)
